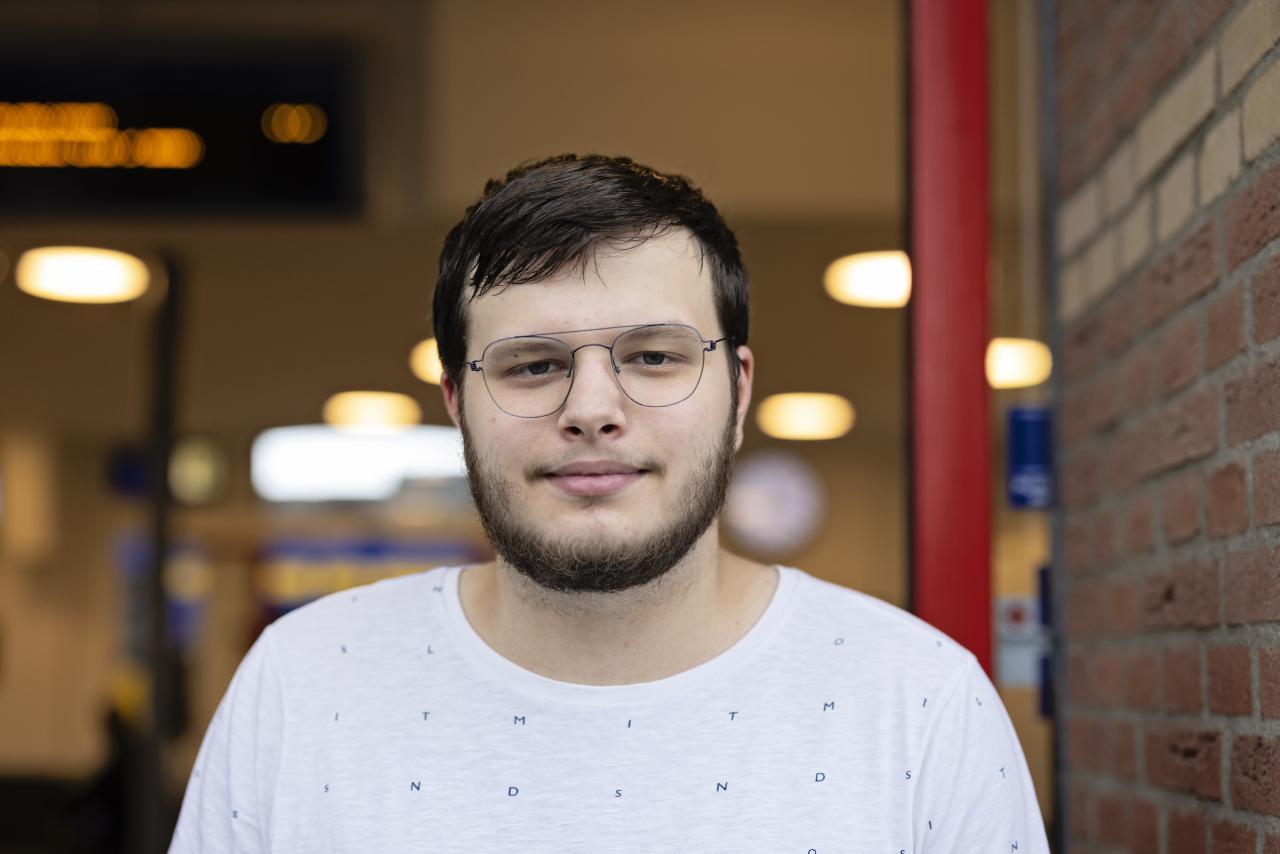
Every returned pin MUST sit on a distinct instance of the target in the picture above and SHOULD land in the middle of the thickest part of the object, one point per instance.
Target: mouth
(594, 479)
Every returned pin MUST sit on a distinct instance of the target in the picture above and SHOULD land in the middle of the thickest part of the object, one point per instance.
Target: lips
(594, 478)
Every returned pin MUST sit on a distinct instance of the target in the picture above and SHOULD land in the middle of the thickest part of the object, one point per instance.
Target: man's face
(603, 533)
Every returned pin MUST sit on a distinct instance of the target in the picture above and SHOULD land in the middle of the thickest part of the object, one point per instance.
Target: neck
(695, 611)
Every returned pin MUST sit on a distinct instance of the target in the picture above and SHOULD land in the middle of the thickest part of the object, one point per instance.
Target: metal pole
(151, 813)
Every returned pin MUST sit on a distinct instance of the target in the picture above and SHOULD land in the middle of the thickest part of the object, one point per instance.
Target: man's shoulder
(380, 607)
(876, 630)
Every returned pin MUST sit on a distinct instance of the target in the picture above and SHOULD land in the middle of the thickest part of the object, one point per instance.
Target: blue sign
(1030, 443)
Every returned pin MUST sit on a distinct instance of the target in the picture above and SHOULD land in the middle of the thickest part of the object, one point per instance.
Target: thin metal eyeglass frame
(711, 343)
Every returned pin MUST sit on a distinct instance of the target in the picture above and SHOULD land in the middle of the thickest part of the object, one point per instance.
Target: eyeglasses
(655, 364)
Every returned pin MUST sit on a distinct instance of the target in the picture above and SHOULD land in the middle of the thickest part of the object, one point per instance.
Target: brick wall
(1168, 260)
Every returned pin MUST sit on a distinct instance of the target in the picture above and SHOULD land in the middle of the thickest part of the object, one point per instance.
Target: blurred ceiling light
(81, 274)
(301, 123)
(805, 416)
(197, 471)
(425, 362)
(313, 462)
(1017, 362)
(371, 411)
(870, 279)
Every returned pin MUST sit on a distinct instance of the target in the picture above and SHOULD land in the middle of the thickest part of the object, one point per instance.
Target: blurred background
(285, 172)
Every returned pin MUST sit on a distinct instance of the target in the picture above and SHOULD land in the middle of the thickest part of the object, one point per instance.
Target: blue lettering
(512, 791)
(344, 649)
(628, 723)
(831, 705)
(518, 719)
(732, 715)
(617, 793)
(424, 715)
(722, 787)
(819, 777)
(430, 651)
(908, 775)
(326, 787)
(415, 787)
(839, 641)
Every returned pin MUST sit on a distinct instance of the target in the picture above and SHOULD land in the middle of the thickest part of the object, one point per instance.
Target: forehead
(663, 279)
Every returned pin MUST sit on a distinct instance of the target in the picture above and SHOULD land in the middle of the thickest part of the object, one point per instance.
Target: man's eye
(535, 369)
(654, 360)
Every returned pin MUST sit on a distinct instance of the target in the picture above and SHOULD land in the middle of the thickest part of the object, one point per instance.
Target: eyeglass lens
(655, 366)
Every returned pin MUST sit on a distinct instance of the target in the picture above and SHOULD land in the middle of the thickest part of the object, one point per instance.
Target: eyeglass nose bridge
(573, 353)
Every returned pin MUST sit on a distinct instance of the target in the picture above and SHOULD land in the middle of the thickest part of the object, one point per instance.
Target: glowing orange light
(84, 134)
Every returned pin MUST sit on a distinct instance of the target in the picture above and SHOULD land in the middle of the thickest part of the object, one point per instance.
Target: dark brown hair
(549, 214)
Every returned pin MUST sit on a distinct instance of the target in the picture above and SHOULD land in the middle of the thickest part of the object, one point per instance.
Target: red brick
(1272, 845)
(1252, 586)
(1182, 680)
(1131, 93)
(1182, 275)
(1079, 687)
(1120, 316)
(1230, 680)
(1122, 750)
(1255, 774)
(1083, 347)
(1185, 596)
(1139, 381)
(1099, 402)
(1077, 97)
(1226, 504)
(1232, 838)
(1077, 545)
(1139, 524)
(1081, 478)
(1265, 288)
(1145, 14)
(1180, 354)
(1186, 833)
(1180, 496)
(1108, 678)
(1253, 217)
(1169, 46)
(1183, 430)
(1143, 688)
(1123, 616)
(1205, 14)
(1269, 681)
(1081, 805)
(1225, 337)
(1086, 745)
(1124, 461)
(1104, 537)
(1116, 40)
(1144, 832)
(1096, 138)
(1113, 820)
(1085, 611)
(1185, 760)
(1253, 407)
(1266, 488)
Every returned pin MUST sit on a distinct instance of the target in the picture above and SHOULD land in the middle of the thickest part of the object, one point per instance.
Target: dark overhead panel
(204, 129)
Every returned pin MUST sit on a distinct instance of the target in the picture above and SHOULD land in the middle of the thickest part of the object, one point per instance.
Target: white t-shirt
(376, 719)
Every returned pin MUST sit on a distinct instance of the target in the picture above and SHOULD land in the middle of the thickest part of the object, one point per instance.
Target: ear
(452, 398)
(746, 370)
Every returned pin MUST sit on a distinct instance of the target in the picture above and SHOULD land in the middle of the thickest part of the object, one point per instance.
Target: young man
(614, 681)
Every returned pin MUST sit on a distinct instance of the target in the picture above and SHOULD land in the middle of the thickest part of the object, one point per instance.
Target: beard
(596, 564)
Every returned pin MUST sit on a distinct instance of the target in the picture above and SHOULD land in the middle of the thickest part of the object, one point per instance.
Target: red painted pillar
(951, 500)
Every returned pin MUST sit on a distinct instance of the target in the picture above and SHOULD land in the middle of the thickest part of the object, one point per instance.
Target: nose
(595, 405)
